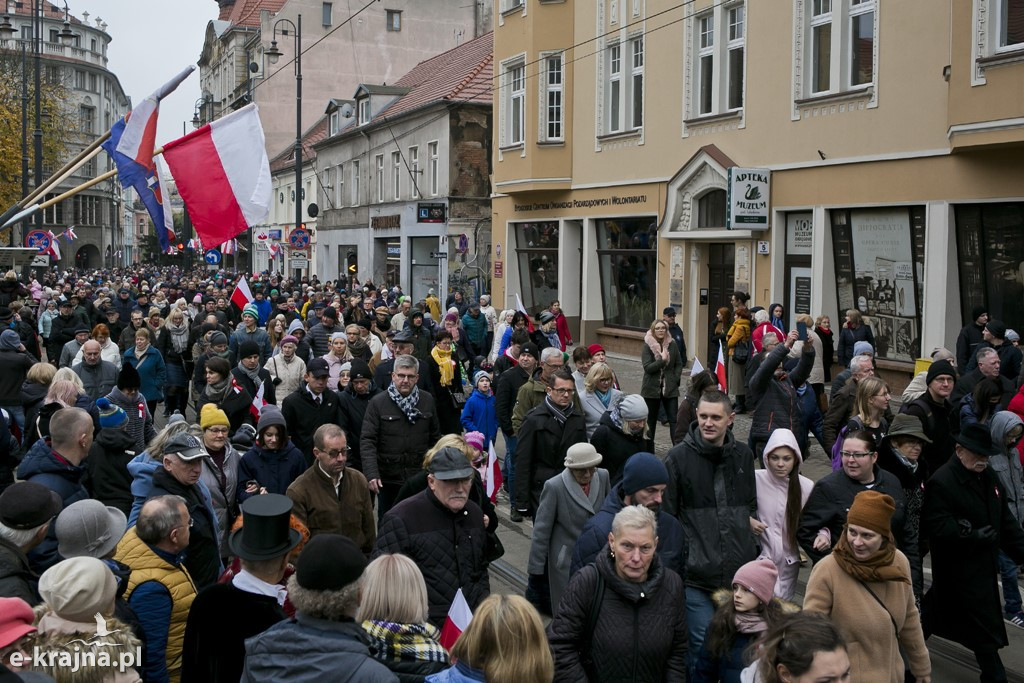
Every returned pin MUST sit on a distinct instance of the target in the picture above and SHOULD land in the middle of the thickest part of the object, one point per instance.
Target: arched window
(711, 209)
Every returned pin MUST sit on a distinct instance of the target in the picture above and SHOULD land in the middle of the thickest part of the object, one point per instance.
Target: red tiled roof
(247, 12)
(462, 74)
(315, 134)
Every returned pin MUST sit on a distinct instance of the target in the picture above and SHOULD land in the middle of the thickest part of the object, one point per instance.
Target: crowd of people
(316, 497)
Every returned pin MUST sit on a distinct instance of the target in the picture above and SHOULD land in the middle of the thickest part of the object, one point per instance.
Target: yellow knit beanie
(211, 415)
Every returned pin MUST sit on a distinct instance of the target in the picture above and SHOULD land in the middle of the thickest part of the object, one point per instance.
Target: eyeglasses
(336, 453)
(856, 455)
(561, 392)
(554, 365)
(407, 378)
(191, 523)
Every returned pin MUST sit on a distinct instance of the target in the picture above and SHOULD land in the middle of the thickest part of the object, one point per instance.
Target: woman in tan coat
(864, 587)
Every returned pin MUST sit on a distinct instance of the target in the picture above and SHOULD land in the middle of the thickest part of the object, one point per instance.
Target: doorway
(721, 284)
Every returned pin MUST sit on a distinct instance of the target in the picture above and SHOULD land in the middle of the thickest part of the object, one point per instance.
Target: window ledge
(714, 118)
(551, 143)
(624, 135)
(512, 10)
(512, 148)
(1001, 58)
(860, 93)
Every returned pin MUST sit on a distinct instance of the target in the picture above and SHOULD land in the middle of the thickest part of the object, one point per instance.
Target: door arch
(88, 256)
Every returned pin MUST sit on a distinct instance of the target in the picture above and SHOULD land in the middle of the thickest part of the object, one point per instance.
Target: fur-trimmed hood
(57, 634)
(723, 596)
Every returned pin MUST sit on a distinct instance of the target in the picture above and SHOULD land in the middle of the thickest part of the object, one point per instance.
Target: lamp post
(274, 54)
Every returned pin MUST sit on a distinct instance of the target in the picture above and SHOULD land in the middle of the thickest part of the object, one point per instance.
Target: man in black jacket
(62, 330)
(403, 347)
(353, 400)
(443, 532)
(970, 336)
(994, 337)
(399, 427)
(509, 384)
(311, 406)
(936, 413)
(711, 490)
(774, 395)
(543, 439)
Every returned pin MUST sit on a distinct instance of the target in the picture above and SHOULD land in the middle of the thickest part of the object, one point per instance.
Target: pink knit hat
(15, 620)
(759, 578)
(476, 440)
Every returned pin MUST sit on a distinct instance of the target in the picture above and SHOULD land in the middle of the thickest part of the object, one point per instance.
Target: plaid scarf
(561, 414)
(407, 404)
(390, 642)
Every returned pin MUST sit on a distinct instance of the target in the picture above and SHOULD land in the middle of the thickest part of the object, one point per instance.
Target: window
(840, 46)
(821, 45)
(364, 111)
(53, 215)
(334, 124)
(614, 88)
(92, 45)
(552, 96)
(434, 167)
(1011, 23)
(537, 254)
(26, 33)
(339, 190)
(328, 11)
(380, 178)
(396, 174)
(711, 209)
(79, 80)
(627, 262)
(355, 182)
(990, 244)
(328, 185)
(862, 41)
(414, 165)
(515, 89)
(508, 5)
(636, 84)
(736, 49)
(86, 119)
(394, 20)
(53, 74)
(706, 65)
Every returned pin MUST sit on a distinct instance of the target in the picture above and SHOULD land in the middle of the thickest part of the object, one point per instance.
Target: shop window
(990, 250)
(711, 209)
(627, 256)
(879, 261)
(537, 253)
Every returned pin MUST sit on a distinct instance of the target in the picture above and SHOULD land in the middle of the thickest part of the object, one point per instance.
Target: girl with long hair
(782, 493)
(742, 615)
(869, 406)
(801, 648)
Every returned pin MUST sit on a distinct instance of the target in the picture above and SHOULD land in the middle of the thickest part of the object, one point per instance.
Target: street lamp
(274, 54)
(197, 120)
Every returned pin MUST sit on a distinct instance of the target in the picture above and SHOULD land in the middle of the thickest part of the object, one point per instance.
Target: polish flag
(258, 402)
(720, 368)
(223, 175)
(274, 249)
(522, 309)
(242, 294)
(696, 368)
(457, 621)
(494, 479)
(54, 249)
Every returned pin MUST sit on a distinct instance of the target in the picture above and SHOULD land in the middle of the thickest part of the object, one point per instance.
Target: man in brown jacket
(329, 497)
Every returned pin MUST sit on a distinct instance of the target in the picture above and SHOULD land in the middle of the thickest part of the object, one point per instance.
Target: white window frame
(396, 175)
(364, 111)
(414, 165)
(334, 123)
(328, 186)
(614, 90)
(513, 102)
(989, 20)
(355, 182)
(394, 20)
(435, 166)
(637, 58)
(339, 190)
(839, 17)
(1000, 14)
(859, 8)
(380, 178)
(736, 20)
(705, 53)
(821, 15)
(552, 97)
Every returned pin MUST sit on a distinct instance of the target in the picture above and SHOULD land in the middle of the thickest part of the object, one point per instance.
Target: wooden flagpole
(57, 178)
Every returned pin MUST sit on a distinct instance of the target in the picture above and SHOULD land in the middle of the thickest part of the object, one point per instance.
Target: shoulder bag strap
(895, 628)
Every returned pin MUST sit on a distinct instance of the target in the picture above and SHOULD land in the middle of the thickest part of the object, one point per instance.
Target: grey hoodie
(1007, 463)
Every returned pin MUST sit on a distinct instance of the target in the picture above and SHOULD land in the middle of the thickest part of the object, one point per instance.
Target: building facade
(405, 196)
(888, 134)
(94, 100)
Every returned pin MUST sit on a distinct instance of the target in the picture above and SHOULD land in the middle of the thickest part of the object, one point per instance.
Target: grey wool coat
(559, 519)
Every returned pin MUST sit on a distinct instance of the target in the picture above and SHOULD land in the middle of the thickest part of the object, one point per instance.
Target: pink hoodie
(771, 510)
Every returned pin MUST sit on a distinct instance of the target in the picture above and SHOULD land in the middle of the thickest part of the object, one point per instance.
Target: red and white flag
(242, 294)
(223, 175)
(720, 368)
(522, 309)
(258, 402)
(274, 248)
(457, 621)
(54, 249)
(228, 248)
(494, 478)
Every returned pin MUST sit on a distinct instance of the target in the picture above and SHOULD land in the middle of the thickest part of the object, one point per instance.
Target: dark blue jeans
(699, 610)
(1011, 590)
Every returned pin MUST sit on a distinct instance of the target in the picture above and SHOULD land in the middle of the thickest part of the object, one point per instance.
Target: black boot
(741, 404)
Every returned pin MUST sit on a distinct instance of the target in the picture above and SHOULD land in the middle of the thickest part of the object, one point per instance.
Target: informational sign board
(748, 201)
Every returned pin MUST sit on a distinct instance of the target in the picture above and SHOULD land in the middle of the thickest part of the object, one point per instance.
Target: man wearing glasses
(545, 436)
(399, 426)
(312, 405)
(533, 393)
(180, 476)
(331, 498)
(824, 515)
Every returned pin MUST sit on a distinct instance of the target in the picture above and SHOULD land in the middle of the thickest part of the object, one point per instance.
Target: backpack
(741, 352)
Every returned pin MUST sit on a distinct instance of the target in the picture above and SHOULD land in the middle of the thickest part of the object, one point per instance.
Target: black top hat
(265, 532)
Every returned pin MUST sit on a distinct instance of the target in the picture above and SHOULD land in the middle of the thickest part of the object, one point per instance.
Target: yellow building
(891, 131)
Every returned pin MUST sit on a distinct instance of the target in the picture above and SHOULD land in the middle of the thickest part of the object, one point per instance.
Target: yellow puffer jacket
(148, 566)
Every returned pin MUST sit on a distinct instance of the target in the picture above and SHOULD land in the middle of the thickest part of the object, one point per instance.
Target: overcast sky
(151, 41)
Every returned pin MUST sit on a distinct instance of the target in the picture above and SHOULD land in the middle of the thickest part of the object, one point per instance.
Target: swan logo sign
(98, 652)
(749, 193)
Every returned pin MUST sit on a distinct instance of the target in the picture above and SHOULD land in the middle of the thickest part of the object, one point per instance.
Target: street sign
(38, 239)
(300, 263)
(499, 269)
(438, 254)
(41, 261)
(299, 238)
(212, 257)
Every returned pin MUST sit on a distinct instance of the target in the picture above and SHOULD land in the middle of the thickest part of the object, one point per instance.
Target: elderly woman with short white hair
(567, 501)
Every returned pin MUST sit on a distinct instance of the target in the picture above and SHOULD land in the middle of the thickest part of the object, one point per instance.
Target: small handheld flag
(457, 621)
(242, 294)
(720, 368)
